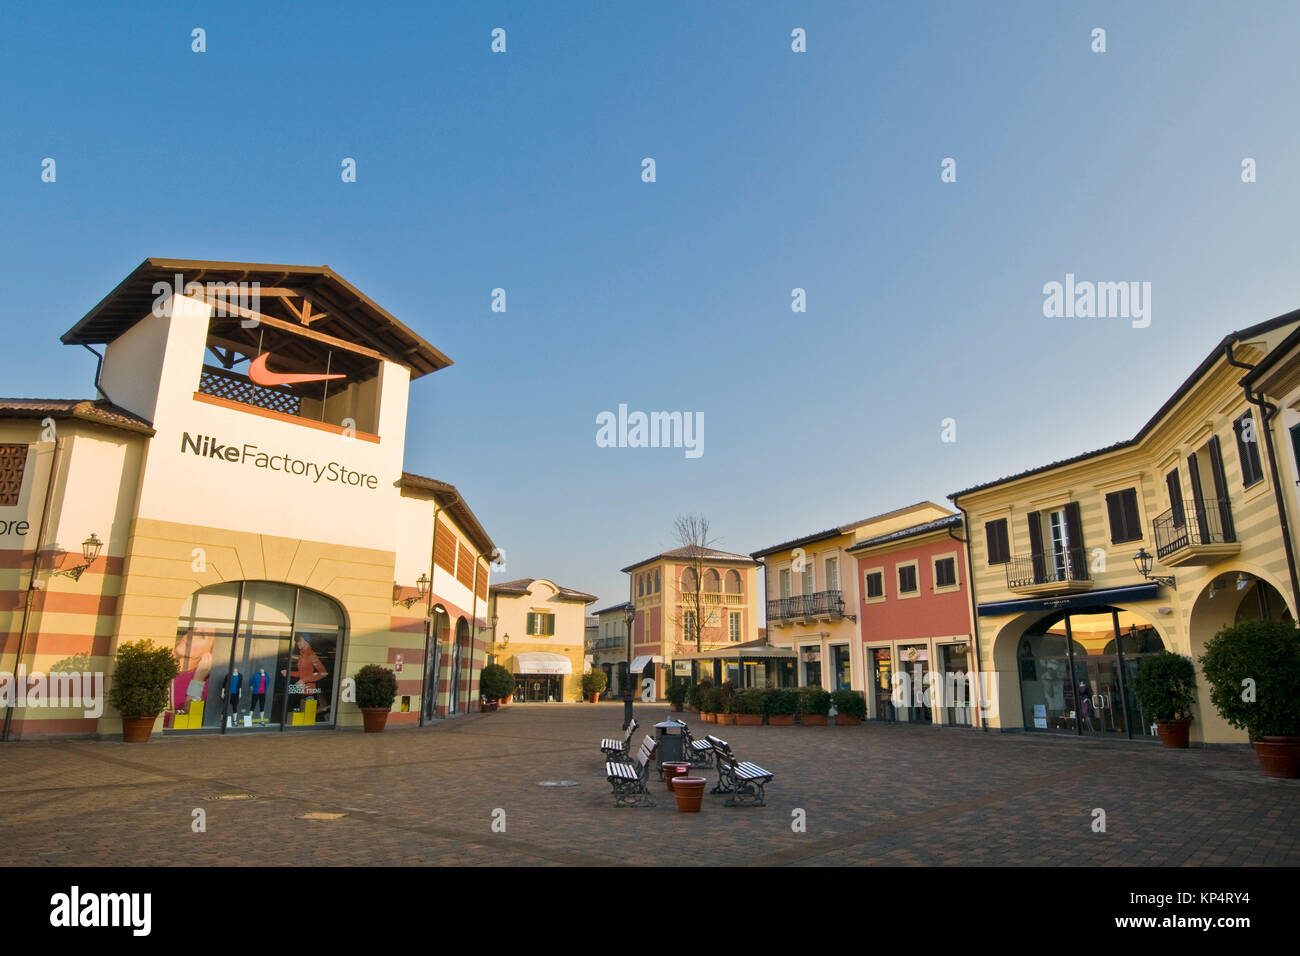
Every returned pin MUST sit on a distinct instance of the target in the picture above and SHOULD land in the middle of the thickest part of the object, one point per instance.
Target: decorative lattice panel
(13, 459)
(235, 388)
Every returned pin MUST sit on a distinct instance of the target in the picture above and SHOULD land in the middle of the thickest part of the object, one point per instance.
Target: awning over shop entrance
(539, 662)
(639, 663)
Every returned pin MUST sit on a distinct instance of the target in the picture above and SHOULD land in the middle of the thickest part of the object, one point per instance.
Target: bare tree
(692, 534)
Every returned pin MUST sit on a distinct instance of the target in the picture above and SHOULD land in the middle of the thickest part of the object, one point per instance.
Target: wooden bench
(615, 748)
(629, 779)
(744, 781)
(698, 752)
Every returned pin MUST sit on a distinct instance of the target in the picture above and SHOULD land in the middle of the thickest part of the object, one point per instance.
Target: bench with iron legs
(744, 781)
(616, 749)
(629, 779)
(698, 752)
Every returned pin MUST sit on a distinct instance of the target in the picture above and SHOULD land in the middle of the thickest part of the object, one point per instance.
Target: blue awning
(1134, 592)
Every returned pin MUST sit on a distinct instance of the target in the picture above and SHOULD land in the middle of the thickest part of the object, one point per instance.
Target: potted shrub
(593, 683)
(850, 707)
(676, 694)
(814, 705)
(695, 696)
(142, 672)
(710, 704)
(376, 691)
(781, 707)
(496, 683)
(1165, 685)
(1253, 669)
(748, 705)
(727, 711)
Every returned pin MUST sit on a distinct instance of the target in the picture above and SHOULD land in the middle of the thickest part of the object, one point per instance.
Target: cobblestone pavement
(873, 794)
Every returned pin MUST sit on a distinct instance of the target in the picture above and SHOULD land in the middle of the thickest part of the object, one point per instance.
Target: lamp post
(627, 684)
(1142, 561)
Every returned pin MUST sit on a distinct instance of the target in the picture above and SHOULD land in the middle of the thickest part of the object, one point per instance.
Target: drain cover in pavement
(557, 783)
(318, 815)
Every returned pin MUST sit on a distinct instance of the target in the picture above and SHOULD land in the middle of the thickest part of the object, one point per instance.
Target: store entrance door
(537, 688)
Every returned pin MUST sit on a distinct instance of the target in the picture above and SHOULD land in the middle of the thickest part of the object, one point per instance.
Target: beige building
(608, 647)
(539, 635)
(687, 597)
(1064, 611)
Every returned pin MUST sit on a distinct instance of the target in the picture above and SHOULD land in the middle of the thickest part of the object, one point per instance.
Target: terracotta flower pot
(677, 708)
(1173, 733)
(813, 720)
(749, 720)
(726, 719)
(846, 720)
(672, 769)
(689, 792)
(1279, 756)
(780, 720)
(375, 719)
(595, 698)
(708, 718)
(137, 730)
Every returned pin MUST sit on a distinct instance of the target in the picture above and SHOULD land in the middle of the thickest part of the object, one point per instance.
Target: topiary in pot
(1253, 669)
(376, 691)
(814, 705)
(748, 705)
(495, 682)
(593, 683)
(850, 707)
(1165, 685)
(676, 694)
(781, 707)
(710, 704)
(141, 672)
(727, 708)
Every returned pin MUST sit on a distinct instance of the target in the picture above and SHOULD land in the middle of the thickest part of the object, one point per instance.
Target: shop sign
(915, 654)
(1040, 716)
(682, 668)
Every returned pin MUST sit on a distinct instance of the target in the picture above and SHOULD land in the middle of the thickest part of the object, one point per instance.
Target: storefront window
(882, 679)
(958, 690)
(912, 692)
(255, 655)
(842, 667)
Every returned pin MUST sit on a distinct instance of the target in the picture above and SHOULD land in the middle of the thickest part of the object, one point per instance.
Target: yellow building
(689, 599)
(539, 635)
(1064, 611)
(813, 595)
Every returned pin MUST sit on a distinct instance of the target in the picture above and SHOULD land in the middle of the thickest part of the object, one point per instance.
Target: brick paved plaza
(873, 794)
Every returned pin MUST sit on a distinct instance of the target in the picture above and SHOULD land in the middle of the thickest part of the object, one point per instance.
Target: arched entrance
(1231, 596)
(459, 655)
(1075, 672)
(437, 640)
(255, 655)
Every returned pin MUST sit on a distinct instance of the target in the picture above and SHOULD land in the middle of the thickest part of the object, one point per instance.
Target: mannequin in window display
(230, 687)
(257, 686)
(1085, 706)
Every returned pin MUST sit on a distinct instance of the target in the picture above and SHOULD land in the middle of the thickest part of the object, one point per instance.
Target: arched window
(712, 583)
(656, 582)
(688, 581)
(733, 582)
(255, 654)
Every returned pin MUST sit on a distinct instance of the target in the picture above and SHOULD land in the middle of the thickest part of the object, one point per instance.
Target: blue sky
(775, 170)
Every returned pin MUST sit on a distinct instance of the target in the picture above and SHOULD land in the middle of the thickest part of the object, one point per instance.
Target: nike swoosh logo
(261, 375)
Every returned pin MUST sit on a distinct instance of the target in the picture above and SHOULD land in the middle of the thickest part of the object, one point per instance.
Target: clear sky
(775, 170)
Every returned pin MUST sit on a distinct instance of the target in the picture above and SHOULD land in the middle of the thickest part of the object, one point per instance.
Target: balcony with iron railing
(1055, 572)
(820, 604)
(1195, 531)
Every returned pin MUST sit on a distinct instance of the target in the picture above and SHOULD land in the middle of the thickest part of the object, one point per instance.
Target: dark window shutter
(1036, 547)
(1074, 529)
(1198, 499)
(1115, 514)
(1004, 541)
(550, 624)
(1248, 451)
(1221, 489)
(995, 539)
(529, 628)
(1175, 498)
(1132, 520)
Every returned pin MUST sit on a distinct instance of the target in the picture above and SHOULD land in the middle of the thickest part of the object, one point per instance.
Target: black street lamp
(627, 683)
(1143, 562)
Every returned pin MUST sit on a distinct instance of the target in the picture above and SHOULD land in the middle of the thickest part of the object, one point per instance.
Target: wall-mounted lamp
(421, 589)
(1143, 562)
(90, 549)
(839, 607)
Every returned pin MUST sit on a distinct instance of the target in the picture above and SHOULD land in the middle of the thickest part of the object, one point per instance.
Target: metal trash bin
(668, 736)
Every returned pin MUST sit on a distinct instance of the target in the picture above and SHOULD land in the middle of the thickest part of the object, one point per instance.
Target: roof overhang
(313, 297)
(1133, 592)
